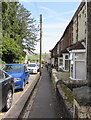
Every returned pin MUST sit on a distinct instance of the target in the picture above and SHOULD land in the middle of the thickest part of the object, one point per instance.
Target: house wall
(75, 32)
(58, 45)
(82, 24)
(79, 24)
(55, 51)
(67, 37)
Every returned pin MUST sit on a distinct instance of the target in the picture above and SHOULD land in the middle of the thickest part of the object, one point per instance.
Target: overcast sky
(55, 15)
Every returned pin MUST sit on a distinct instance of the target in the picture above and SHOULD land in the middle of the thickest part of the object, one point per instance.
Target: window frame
(64, 61)
(74, 60)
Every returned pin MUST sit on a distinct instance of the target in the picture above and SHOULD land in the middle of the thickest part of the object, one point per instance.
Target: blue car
(20, 74)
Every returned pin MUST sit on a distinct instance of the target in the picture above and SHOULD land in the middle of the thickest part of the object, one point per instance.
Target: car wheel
(27, 82)
(9, 100)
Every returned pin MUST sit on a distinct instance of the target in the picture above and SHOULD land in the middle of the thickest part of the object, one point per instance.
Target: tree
(19, 31)
(28, 31)
(11, 50)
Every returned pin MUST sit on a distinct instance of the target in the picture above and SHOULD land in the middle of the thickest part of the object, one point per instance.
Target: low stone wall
(82, 102)
(65, 78)
(77, 99)
(64, 92)
(82, 111)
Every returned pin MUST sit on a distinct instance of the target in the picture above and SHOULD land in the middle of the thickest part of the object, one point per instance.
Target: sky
(55, 18)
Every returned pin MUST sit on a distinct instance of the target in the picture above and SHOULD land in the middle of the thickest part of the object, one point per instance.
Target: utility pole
(40, 42)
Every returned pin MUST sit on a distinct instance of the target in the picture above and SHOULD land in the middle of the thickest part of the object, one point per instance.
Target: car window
(13, 68)
(3, 75)
(31, 65)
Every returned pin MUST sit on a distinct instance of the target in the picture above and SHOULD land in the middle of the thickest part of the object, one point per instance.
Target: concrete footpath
(46, 103)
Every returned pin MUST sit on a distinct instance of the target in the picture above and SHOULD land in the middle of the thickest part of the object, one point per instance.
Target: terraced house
(69, 54)
(72, 56)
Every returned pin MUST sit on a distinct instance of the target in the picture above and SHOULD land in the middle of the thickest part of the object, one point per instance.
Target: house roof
(78, 45)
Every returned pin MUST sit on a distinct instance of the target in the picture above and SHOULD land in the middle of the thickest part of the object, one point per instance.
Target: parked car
(38, 64)
(6, 90)
(32, 68)
(20, 74)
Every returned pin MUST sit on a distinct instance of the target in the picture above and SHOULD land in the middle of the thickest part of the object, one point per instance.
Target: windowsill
(65, 70)
(76, 79)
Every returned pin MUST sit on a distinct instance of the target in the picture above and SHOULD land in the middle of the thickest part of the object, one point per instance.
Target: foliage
(2, 62)
(19, 31)
(11, 50)
(36, 57)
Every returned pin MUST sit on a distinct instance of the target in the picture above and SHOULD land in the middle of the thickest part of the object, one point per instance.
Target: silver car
(32, 68)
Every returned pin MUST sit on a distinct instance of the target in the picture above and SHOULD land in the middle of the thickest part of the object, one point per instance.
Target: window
(32, 65)
(3, 75)
(67, 65)
(66, 56)
(13, 68)
(79, 56)
(66, 62)
(78, 65)
(60, 63)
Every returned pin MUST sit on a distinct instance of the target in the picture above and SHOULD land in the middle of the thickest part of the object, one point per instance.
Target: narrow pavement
(46, 104)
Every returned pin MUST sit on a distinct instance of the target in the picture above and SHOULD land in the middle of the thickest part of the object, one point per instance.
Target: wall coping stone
(83, 95)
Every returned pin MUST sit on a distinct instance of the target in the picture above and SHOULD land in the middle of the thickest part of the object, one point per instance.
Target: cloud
(55, 26)
(50, 13)
(48, 10)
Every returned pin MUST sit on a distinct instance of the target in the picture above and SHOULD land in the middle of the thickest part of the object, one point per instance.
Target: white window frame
(60, 58)
(73, 61)
(64, 62)
(52, 60)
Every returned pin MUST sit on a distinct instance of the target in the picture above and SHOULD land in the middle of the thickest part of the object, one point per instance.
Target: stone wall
(81, 111)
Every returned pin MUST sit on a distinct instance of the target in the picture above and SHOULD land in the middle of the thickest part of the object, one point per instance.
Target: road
(44, 102)
(18, 94)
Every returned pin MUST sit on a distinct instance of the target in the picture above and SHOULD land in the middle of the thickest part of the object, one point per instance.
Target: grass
(37, 56)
